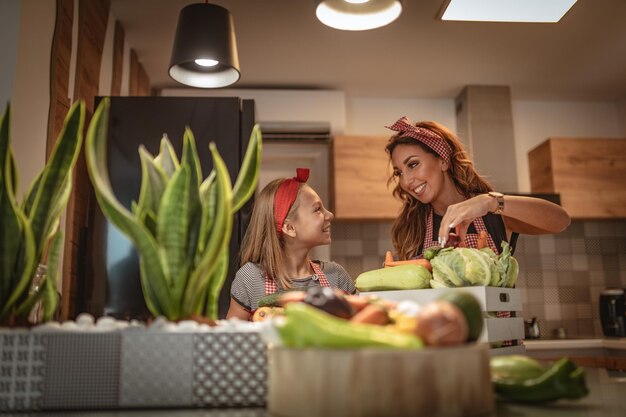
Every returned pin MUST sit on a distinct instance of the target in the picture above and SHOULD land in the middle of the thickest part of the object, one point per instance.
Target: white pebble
(187, 325)
(85, 320)
(69, 325)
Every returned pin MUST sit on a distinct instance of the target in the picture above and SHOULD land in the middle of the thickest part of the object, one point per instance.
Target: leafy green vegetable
(462, 267)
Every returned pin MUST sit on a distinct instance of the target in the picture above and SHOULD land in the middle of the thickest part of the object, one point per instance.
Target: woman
(442, 192)
(288, 220)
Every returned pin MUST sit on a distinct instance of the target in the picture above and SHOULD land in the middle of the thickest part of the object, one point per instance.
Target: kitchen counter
(607, 398)
(556, 344)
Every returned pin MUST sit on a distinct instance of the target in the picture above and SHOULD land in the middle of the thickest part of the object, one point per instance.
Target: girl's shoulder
(250, 270)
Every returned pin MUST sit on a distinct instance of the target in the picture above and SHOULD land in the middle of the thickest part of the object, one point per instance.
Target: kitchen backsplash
(561, 275)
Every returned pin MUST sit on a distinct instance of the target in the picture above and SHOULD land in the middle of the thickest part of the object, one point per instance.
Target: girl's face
(420, 173)
(312, 221)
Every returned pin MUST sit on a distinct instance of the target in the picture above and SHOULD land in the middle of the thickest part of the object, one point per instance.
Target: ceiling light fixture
(534, 11)
(357, 14)
(205, 50)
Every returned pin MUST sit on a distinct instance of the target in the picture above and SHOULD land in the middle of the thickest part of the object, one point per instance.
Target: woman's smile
(420, 189)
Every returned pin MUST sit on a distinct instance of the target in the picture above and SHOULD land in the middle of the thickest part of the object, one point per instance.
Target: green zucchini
(402, 277)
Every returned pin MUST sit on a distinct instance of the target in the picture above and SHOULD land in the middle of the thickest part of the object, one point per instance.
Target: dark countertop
(607, 398)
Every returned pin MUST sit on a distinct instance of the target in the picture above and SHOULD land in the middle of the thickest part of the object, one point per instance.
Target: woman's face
(420, 173)
(312, 220)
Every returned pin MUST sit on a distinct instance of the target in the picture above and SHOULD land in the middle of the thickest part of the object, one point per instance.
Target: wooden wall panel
(60, 71)
(139, 83)
(92, 24)
(118, 59)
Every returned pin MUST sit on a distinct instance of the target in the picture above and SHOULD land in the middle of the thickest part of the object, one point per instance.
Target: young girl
(442, 191)
(288, 220)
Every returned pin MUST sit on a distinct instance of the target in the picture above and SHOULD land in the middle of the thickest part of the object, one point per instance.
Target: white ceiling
(283, 45)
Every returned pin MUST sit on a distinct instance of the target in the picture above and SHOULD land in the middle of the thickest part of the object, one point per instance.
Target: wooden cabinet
(587, 173)
(360, 172)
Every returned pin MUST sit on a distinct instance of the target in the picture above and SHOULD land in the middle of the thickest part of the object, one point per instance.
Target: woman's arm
(236, 310)
(533, 216)
(524, 215)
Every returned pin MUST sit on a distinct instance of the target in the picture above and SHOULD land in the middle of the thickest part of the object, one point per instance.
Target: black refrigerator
(109, 282)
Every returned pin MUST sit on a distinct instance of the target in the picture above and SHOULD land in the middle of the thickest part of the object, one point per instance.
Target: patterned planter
(133, 368)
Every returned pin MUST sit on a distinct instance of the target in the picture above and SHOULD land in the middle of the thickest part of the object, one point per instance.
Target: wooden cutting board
(452, 382)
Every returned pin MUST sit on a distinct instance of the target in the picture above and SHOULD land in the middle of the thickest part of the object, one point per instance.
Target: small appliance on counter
(531, 329)
(613, 312)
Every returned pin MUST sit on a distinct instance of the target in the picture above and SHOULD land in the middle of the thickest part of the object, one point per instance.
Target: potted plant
(29, 231)
(181, 224)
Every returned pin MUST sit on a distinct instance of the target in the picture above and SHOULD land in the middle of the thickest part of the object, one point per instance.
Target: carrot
(422, 262)
(482, 240)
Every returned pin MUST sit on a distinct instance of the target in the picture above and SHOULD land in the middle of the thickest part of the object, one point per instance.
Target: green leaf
(190, 158)
(17, 248)
(215, 285)
(55, 173)
(220, 233)
(173, 228)
(11, 231)
(153, 183)
(248, 177)
(208, 197)
(51, 297)
(167, 159)
(25, 267)
(153, 281)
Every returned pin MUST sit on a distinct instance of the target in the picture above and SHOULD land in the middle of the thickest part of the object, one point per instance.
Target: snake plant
(29, 232)
(181, 224)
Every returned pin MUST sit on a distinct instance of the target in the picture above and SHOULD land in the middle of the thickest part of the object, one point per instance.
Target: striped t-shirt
(249, 283)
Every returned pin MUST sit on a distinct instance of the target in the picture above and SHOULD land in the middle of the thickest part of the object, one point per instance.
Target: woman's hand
(459, 216)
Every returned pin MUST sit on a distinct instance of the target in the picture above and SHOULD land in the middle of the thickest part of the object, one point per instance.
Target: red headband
(286, 195)
(426, 136)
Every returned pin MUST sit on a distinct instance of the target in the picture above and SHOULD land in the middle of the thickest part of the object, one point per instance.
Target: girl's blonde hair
(262, 244)
(409, 228)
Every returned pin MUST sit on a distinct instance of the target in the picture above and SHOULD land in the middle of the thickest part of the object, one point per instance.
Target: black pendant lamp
(205, 50)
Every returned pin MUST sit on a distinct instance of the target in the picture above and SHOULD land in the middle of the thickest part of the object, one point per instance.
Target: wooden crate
(451, 382)
(587, 173)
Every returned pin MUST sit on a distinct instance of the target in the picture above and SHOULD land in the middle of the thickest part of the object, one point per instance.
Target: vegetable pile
(327, 318)
(451, 267)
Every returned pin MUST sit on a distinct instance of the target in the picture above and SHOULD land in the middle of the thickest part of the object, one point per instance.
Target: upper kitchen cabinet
(587, 173)
(360, 173)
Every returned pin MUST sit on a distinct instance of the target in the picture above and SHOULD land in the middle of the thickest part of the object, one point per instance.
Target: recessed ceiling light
(539, 11)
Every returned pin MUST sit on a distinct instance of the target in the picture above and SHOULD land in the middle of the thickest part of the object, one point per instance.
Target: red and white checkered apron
(471, 239)
(318, 274)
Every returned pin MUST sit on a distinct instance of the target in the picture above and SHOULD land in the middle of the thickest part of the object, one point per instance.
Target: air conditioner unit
(295, 131)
